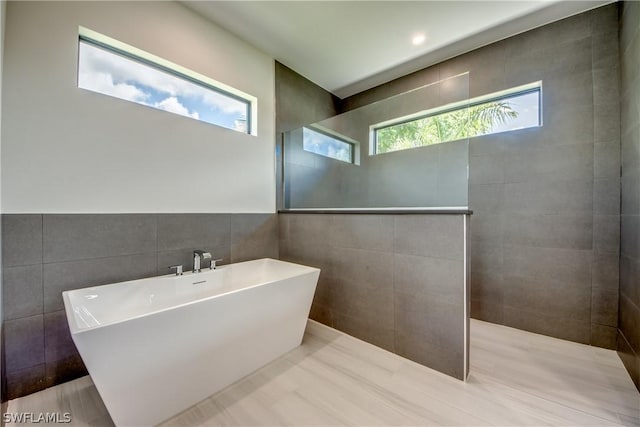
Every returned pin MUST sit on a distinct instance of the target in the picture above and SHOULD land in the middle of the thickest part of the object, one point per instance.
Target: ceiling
(350, 46)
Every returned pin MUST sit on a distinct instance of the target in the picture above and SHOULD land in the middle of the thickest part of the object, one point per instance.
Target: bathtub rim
(74, 329)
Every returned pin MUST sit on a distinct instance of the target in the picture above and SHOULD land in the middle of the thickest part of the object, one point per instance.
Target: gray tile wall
(629, 315)
(44, 255)
(396, 281)
(545, 229)
(299, 101)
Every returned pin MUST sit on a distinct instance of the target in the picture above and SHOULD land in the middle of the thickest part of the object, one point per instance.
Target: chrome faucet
(212, 265)
(198, 257)
(178, 269)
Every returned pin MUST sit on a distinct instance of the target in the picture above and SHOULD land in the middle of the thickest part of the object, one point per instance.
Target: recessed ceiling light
(418, 39)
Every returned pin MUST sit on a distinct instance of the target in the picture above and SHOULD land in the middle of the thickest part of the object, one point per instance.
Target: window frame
(83, 38)
(535, 87)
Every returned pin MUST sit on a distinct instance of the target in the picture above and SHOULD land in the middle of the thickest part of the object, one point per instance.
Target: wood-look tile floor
(517, 379)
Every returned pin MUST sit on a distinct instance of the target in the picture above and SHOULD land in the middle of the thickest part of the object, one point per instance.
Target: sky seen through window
(110, 73)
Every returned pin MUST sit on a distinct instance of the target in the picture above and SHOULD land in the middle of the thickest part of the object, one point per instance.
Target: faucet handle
(212, 266)
(178, 269)
(205, 255)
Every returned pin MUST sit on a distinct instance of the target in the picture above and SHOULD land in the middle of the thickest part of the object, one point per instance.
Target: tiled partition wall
(629, 319)
(546, 200)
(44, 255)
(397, 281)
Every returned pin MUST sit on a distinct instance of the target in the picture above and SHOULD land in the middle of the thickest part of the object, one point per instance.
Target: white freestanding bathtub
(156, 346)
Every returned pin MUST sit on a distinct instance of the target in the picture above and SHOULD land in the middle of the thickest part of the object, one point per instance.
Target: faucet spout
(198, 257)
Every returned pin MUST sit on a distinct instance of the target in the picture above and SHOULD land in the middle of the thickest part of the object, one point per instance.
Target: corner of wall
(628, 344)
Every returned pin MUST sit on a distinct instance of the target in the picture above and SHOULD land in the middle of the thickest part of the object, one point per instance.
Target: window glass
(510, 112)
(327, 145)
(114, 73)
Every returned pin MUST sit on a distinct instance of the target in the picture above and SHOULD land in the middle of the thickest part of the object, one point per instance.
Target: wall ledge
(381, 211)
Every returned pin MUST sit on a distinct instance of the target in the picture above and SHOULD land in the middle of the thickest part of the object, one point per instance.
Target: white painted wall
(69, 150)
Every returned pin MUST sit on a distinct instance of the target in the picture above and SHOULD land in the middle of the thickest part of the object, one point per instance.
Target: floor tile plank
(517, 378)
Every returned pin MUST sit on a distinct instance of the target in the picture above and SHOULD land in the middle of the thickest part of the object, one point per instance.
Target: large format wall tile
(63, 370)
(558, 132)
(421, 350)
(193, 231)
(62, 360)
(487, 227)
(487, 197)
(630, 199)
(58, 344)
(22, 291)
(488, 169)
(561, 265)
(369, 268)
(629, 322)
(547, 324)
(606, 161)
(605, 271)
(370, 329)
(437, 279)
(604, 307)
(606, 196)
(629, 272)
(371, 232)
(546, 164)
(429, 235)
(310, 230)
(253, 236)
(23, 343)
(603, 336)
(549, 231)
(489, 310)
(25, 381)
(569, 89)
(21, 240)
(606, 233)
(362, 286)
(571, 300)
(629, 357)
(487, 285)
(606, 122)
(76, 237)
(549, 198)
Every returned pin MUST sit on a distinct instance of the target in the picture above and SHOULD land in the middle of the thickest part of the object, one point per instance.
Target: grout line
(6, 267)
(30, 315)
